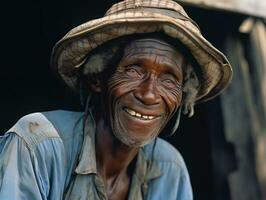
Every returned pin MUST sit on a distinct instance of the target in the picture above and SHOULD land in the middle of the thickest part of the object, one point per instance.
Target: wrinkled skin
(147, 82)
(143, 93)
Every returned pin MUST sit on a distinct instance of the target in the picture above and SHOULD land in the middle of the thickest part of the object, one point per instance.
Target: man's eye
(134, 73)
(169, 83)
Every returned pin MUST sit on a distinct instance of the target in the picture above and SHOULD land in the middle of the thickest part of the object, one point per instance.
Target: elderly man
(135, 70)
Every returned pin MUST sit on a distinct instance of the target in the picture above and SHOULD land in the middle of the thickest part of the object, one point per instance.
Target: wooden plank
(258, 53)
(244, 109)
(238, 125)
(249, 7)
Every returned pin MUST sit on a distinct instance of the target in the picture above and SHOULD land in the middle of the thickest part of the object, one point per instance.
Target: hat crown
(156, 4)
(131, 17)
(165, 7)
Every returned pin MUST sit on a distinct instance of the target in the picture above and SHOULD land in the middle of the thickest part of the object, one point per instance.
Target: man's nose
(147, 92)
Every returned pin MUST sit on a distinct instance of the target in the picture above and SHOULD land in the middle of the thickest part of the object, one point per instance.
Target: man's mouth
(138, 115)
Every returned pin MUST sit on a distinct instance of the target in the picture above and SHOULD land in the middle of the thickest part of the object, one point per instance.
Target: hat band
(163, 11)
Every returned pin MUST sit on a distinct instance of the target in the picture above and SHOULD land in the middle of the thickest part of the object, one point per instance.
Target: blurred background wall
(224, 144)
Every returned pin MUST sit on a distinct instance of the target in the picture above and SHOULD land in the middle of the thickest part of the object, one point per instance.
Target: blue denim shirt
(49, 156)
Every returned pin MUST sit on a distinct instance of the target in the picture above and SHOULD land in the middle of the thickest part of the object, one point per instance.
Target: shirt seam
(32, 145)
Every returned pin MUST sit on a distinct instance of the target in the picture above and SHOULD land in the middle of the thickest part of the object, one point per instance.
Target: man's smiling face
(145, 90)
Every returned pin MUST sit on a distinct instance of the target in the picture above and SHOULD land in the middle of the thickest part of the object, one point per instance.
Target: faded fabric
(47, 156)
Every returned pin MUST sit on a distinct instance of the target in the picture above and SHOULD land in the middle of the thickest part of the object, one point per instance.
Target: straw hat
(142, 16)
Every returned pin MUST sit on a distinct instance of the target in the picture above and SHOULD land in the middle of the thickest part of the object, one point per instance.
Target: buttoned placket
(86, 172)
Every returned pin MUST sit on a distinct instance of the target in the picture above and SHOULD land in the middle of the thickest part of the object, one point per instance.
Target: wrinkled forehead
(146, 47)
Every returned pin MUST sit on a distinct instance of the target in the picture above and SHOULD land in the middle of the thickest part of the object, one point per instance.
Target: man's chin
(134, 142)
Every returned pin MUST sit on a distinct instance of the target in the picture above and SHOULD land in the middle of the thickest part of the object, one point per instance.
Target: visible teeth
(131, 112)
(138, 115)
(135, 114)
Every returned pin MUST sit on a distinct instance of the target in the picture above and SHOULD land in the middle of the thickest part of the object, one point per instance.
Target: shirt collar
(145, 169)
(87, 157)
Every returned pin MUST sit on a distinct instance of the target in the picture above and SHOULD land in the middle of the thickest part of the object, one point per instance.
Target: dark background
(29, 29)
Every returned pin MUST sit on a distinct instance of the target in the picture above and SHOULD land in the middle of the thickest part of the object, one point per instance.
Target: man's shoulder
(67, 123)
(173, 180)
(164, 152)
(37, 127)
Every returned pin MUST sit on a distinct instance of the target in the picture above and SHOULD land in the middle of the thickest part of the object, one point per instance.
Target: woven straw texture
(143, 16)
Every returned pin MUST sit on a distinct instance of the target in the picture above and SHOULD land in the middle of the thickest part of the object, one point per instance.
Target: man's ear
(95, 85)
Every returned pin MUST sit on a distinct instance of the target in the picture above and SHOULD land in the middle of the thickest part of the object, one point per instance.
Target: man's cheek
(171, 100)
(121, 87)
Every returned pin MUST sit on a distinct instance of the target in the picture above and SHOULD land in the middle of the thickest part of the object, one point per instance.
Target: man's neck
(113, 158)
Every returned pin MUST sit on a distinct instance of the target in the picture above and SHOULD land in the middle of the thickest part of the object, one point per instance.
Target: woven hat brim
(72, 50)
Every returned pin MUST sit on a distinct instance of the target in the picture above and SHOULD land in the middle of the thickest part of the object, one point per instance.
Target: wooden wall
(248, 7)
